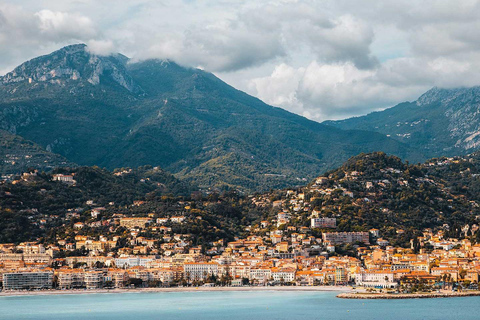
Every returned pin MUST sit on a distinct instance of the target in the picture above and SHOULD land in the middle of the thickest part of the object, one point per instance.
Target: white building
(132, 261)
(199, 270)
(283, 275)
(261, 275)
(376, 279)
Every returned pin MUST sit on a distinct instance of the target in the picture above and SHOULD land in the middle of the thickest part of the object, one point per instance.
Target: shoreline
(389, 296)
(343, 289)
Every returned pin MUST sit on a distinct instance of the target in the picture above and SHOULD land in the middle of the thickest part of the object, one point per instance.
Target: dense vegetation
(36, 206)
(18, 154)
(380, 191)
(369, 191)
(400, 196)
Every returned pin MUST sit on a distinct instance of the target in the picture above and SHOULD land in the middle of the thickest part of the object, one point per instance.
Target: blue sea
(231, 306)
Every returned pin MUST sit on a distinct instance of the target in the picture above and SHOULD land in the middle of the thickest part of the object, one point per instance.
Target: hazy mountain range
(111, 112)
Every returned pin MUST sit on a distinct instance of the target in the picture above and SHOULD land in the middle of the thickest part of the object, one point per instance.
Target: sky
(321, 59)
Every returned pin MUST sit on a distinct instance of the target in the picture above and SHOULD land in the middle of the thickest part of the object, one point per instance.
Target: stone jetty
(424, 295)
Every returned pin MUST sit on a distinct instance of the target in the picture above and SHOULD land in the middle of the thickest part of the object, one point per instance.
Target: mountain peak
(72, 48)
(73, 63)
(443, 96)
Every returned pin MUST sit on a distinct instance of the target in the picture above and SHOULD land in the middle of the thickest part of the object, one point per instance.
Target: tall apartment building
(345, 237)
(70, 278)
(93, 279)
(27, 280)
(199, 270)
(133, 261)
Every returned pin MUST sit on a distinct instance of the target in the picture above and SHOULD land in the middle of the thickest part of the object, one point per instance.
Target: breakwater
(425, 295)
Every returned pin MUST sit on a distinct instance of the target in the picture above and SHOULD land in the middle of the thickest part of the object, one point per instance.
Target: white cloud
(25, 34)
(58, 26)
(101, 47)
(280, 89)
(322, 59)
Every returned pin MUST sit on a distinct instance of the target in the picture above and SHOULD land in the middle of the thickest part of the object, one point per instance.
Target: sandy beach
(343, 289)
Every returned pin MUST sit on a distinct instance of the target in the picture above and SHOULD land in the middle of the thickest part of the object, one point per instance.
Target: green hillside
(104, 111)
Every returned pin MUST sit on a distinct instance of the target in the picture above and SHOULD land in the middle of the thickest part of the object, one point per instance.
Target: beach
(344, 289)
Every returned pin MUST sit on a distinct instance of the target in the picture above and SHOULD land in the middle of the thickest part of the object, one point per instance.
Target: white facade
(200, 270)
(376, 279)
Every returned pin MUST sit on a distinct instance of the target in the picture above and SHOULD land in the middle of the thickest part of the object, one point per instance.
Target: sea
(231, 306)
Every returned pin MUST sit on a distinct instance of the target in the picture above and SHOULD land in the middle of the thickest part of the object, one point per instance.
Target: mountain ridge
(185, 120)
(441, 122)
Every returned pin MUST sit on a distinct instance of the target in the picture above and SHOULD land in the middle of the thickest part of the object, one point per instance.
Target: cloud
(280, 88)
(335, 91)
(226, 46)
(346, 39)
(25, 34)
(60, 26)
(322, 59)
(251, 36)
(101, 47)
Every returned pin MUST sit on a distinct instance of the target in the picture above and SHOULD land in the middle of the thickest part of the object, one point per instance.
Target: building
(340, 276)
(276, 238)
(31, 248)
(89, 261)
(324, 222)
(27, 280)
(376, 279)
(283, 274)
(177, 219)
(132, 261)
(67, 178)
(199, 270)
(345, 237)
(162, 220)
(261, 275)
(93, 279)
(118, 277)
(135, 222)
(70, 278)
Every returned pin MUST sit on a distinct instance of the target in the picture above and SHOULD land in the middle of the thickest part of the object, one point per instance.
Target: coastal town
(254, 261)
(297, 243)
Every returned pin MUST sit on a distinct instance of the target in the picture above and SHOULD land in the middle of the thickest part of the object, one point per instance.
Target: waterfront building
(27, 280)
(200, 270)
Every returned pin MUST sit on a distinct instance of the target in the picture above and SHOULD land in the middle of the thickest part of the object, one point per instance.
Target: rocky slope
(441, 122)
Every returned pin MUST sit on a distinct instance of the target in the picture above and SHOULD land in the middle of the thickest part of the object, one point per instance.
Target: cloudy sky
(321, 59)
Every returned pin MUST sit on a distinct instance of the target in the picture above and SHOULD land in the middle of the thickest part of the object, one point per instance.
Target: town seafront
(234, 305)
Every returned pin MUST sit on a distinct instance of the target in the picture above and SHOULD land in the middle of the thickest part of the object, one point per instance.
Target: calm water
(231, 306)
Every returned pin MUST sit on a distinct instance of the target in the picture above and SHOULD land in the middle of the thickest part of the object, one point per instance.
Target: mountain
(18, 155)
(112, 112)
(442, 122)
